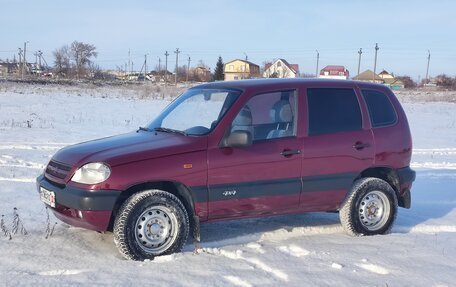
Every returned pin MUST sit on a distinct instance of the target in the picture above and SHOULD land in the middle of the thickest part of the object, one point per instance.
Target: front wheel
(370, 208)
(149, 224)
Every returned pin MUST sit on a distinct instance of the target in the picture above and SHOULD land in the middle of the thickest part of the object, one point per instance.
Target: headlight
(92, 173)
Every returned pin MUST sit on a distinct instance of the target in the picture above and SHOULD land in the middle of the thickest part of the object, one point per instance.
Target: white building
(281, 69)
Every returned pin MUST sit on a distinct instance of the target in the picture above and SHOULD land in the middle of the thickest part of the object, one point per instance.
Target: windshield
(195, 112)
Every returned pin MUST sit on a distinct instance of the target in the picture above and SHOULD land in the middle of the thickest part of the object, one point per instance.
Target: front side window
(196, 112)
(268, 116)
(381, 111)
(333, 110)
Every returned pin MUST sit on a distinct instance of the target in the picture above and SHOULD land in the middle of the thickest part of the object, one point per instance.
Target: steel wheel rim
(156, 229)
(374, 210)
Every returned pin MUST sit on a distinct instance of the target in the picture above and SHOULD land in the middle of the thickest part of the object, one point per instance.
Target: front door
(264, 177)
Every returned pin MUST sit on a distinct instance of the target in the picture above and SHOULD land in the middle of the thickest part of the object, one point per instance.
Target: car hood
(126, 148)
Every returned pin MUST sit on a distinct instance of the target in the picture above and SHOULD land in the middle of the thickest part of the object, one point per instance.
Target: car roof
(271, 83)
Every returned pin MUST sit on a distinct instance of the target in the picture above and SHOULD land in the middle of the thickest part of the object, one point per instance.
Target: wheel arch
(181, 191)
(387, 174)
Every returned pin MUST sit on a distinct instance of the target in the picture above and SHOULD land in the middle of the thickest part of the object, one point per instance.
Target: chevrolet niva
(230, 150)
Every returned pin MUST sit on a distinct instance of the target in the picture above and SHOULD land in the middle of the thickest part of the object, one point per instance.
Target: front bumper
(81, 208)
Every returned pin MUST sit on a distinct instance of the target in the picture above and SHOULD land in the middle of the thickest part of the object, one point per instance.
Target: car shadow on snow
(433, 199)
(219, 234)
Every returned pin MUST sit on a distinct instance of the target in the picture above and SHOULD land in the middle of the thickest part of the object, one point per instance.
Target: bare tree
(62, 61)
(408, 82)
(82, 54)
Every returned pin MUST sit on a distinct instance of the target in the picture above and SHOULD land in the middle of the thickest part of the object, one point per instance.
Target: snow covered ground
(300, 250)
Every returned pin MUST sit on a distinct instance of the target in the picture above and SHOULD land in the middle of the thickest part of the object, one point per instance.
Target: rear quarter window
(333, 110)
(381, 110)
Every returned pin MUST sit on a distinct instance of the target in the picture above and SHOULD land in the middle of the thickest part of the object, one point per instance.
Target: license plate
(47, 196)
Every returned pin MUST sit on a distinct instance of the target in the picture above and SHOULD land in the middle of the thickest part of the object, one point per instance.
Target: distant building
(281, 69)
(334, 72)
(391, 81)
(241, 69)
(369, 76)
(8, 68)
(201, 74)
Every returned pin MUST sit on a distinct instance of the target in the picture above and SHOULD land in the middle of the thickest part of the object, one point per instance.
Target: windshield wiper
(168, 130)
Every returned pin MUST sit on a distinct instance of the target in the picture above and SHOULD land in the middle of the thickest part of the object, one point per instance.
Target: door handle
(290, 152)
(360, 145)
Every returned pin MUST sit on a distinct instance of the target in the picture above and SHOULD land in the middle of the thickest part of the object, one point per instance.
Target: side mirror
(237, 139)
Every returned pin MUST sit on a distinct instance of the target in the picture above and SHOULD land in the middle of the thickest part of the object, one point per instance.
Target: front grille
(57, 170)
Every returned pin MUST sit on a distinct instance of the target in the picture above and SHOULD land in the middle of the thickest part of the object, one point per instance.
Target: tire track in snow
(20, 146)
(255, 262)
(426, 229)
(435, 151)
(293, 250)
(13, 161)
(433, 165)
(13, 179)
(237, 281)
(434, 158)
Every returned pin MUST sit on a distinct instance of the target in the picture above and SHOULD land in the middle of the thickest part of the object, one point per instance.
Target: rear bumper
(81, 208)
(406, 177)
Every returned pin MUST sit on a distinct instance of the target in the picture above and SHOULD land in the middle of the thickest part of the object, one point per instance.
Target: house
(391, 81)
(8, 68)
(201, 74)
(281, 69)
(241, 69)
(334, 72)
(369, 76)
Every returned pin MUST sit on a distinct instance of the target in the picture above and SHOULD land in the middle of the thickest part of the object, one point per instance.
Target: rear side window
(333, 110)
(381, 111)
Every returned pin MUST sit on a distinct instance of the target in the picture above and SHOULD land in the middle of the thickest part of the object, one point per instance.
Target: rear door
(264, 177)
(338, 145)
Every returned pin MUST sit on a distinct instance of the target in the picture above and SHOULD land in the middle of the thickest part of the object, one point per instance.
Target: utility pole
(375, 62)
(20, 60)
(166, 66)
(36, 63)
(24, 62)
(359, 60)
(129, 62)
(159, 68)
(40, 54)
(177, 65)
(145, 66)
(188, 67)
(318, 59)
(427, 69)
(245, 65)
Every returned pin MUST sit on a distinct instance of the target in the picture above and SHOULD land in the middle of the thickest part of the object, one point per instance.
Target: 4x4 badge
(229, 192)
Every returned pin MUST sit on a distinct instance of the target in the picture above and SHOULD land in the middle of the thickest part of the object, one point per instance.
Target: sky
(261, 30)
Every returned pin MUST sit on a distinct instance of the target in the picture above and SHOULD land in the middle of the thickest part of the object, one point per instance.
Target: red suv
(239, 149)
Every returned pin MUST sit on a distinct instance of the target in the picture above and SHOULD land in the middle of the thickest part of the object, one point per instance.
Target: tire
(370, 209)
(151, 223)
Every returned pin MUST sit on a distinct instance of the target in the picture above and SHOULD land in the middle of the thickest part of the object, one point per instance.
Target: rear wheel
(149, 224)
(370, 208)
